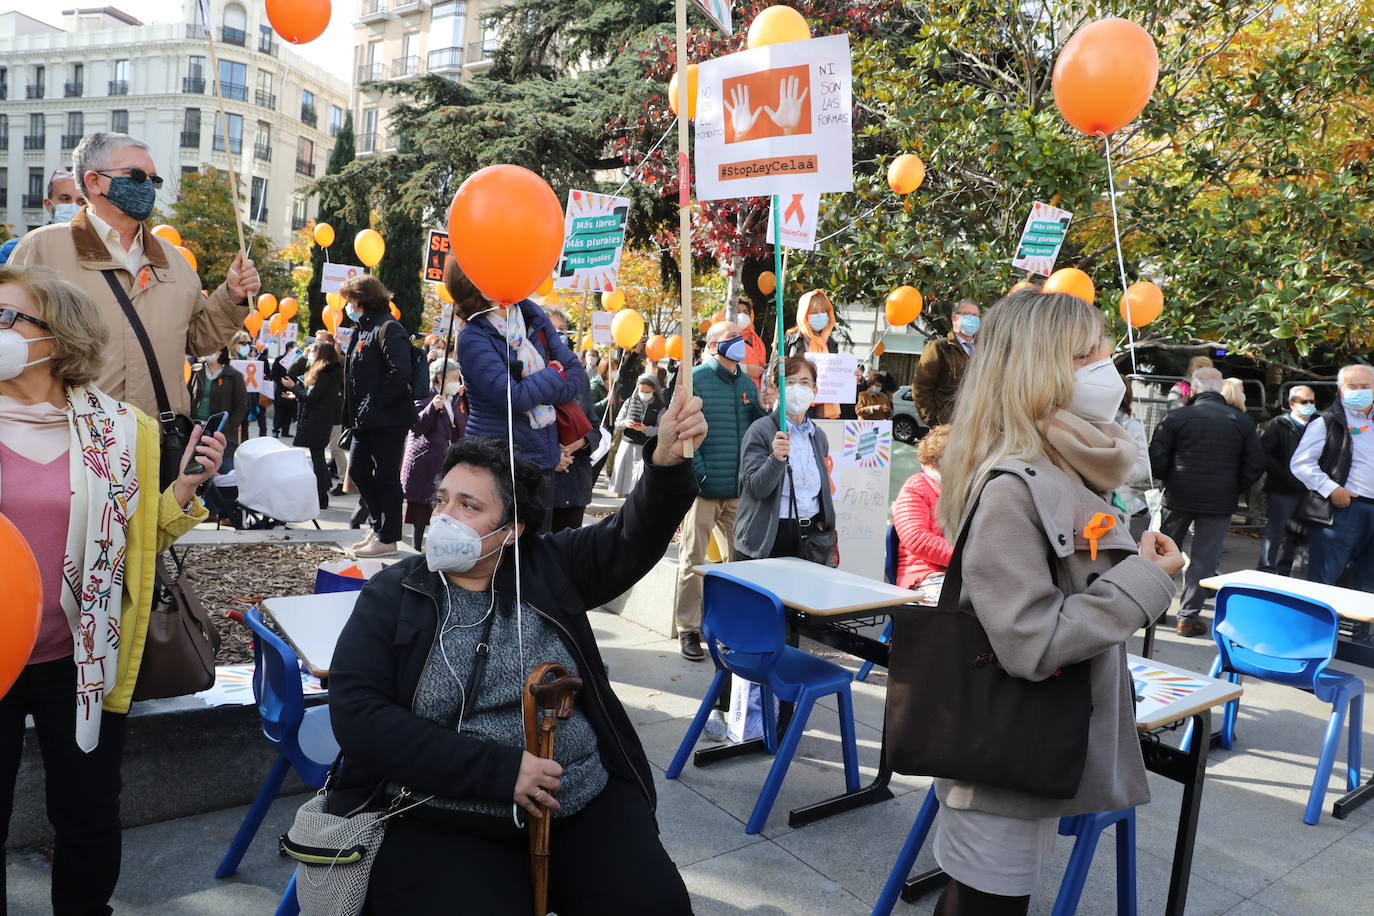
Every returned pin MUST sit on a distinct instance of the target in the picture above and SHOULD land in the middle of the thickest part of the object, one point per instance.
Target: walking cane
(548, 698)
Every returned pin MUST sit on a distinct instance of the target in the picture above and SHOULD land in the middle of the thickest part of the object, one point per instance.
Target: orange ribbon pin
(1097, 526)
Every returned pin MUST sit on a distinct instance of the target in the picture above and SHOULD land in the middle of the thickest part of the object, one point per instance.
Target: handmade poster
(718, 11)
(1156, 688)
(333, 275)
(255, 379)
(800, 213)
(859, 463)
(593, 236)
(234, 686)
(1041, 239)
(601, 329)
(835, 381)
(436, 254)
(775, 120)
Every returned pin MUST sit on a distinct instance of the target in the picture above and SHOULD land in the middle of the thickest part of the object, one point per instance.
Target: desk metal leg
(925, 883)
(1148, 649)
(1189, 769)
(871, 794)
(1352, 800)
(709, 755)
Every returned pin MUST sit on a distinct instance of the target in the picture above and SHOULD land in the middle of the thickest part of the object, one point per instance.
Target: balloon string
(1120, 260)
(777, 299)
(631, 177)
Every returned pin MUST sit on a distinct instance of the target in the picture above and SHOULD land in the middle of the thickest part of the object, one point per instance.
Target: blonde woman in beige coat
(1034, 434)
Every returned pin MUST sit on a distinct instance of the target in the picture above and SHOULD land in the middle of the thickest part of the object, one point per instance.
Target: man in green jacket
(730, 402)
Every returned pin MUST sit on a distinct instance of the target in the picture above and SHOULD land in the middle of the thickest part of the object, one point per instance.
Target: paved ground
(1254, 857)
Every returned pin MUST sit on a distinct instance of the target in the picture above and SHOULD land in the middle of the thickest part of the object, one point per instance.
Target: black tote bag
(954, 712)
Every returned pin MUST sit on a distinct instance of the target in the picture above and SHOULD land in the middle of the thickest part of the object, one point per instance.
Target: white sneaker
(365, 542)
(716, 729)
(378, 548)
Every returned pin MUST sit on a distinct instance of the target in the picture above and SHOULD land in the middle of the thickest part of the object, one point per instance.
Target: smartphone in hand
(213, 425)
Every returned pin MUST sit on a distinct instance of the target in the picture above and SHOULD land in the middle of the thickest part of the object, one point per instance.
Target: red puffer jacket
(922, 549)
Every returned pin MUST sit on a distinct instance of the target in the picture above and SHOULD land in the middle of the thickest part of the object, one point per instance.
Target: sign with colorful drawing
(1042, 238)
(860, 462)
(1156, 688)
(718, 11)
(776, 120)
(593, 236)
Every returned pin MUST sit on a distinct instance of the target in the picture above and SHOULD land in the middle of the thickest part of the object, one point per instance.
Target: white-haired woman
(78, 478)
(1033, 455)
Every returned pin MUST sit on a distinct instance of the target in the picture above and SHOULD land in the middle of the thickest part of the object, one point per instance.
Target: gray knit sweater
(497, 714)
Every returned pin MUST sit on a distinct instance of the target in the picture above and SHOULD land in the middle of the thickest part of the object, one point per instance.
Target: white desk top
(812, 588)
(1168, 694)
(312, 624)
(1347, 602)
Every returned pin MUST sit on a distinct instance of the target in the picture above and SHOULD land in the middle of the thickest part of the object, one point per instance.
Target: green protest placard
(1042, 238)
(593, 238)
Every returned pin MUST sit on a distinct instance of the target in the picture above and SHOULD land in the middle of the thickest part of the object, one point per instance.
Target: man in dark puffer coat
(1206, 454)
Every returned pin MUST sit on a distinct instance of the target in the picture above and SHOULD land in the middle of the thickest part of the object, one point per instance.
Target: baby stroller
(271, 484)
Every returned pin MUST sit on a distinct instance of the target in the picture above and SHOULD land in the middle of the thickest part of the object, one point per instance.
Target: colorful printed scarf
(511, 325)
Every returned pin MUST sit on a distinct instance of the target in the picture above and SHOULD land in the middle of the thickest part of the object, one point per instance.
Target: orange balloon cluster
(267, 304)
(1073, 281)
(903, 306)
(168, 234)
(505, 228)
(1143, 303)
(189, 255)
(673, 347)
(613, 301)
(288, 307)
(332, 318)
(656, 347)
(278, 324)
(545, 288)
(253, 323)
(1105, 75)
(299, 21)
(23, 603)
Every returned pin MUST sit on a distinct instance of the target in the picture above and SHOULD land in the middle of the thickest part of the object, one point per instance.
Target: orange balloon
(23, 603)
(298, 21)
(675, 92)
(267, 304)
(544, 289)
(717, 316)
(906, 173)
(903, 306)
(656, 347)
(880, 349)
(613, 301)
(1073, 281)
(445, 295)
(186, 371)
(395, 312)
(768, 283)
(331, 318)
(289, 307)
(505, 227)
(1105, 75)
(253, 323)
(705, 326)
(189, 255)
(1143, 303)
(776, 25)
(168, 234)
(673, 347)
(277, 325)
(627, 327)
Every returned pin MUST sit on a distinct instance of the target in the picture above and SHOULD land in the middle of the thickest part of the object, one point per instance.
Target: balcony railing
(266, 45)
(69, 141)
(236, 143)
(4, 197)
(190, 139)
(33, 91)
(372, 9)
(367, 143)
(33, 201)
(234, 91)
(266, 99)
(407, 6)
(4, 91)
(4, 141)
(194, 84)
(262, 151)
(119, 87)
(305, 167)
(232, 36)
(308, 116)
(259, 216)
(72, 90)
(196, 32)
(38, 142)
(298, 223)
(481, 51)
(403, 67)
(446, 59)
(371, 72)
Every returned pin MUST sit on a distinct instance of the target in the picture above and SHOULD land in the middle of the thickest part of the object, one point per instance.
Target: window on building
(446, 24)
(78, 72)
(257, 200)
(298, 211)
(265, 81)
(119, 121)
(195, 67)
(308, 107)
(120, 84)
(36, 189)
(4, 82)
(38, 125)
(235, 31)
(367, 140)
(76, 126)
(76, 86)
(40, 77)
(235, 134)
(233, 80)
(4, 187)
(190, 129)
(5, 130)
(267, 42)
(305, 156)
(262, 146)
(189, 170)
(335, 120)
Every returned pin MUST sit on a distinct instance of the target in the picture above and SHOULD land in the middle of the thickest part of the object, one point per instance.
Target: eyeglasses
(138, 176)
(8, 317)
(1303, 401)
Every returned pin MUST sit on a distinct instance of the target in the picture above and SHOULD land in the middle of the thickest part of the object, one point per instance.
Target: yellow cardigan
(155, 526)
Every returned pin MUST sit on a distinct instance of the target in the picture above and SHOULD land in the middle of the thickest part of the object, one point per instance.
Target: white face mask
(14, 349)
(451, 388)
(1097, 392)
(799, 398)
(818, 321)
(646, 396)
(743, 320)
(63, 213)
(452, 546)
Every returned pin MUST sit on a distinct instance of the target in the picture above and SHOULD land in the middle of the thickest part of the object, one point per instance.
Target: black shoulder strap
(164, 406)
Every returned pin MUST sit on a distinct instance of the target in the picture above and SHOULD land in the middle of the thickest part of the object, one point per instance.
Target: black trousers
(322, 478)
(283, 416)
(82, 789)
(565, 517)
(606, 860)
(374, 463)
(1209, 537)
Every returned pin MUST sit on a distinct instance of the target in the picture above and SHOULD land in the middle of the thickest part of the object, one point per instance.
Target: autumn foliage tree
(204, 215)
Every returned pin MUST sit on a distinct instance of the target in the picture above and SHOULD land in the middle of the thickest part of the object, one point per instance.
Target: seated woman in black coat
(402, 713)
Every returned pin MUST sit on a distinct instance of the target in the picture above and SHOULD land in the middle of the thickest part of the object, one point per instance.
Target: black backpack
(419, 373)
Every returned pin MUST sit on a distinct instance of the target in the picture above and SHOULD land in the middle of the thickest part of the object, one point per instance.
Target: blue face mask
(818, 321)
(1306, 411)
(733, 349)
(352, 313)
(969, 324)
(1358, 399)
(133, 198)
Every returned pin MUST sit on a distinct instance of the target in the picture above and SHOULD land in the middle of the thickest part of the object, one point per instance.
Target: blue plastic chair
(744, 628)
(1288, 639)
(889, 576)
(1087, 828)
(304, 736)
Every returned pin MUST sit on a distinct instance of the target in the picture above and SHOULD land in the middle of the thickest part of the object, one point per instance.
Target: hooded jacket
(802, 340)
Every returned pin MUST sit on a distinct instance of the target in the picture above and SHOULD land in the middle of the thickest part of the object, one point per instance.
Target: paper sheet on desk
(1155, 689)
(234, 686)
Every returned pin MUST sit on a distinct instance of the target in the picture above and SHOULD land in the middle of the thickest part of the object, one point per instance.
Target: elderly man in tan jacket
(117, 175)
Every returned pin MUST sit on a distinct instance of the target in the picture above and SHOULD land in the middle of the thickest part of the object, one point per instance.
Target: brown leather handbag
(179, 654)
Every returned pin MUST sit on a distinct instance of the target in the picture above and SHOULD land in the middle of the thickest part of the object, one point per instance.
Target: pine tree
(334, 210)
